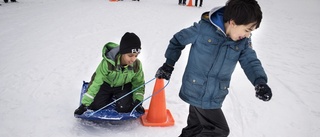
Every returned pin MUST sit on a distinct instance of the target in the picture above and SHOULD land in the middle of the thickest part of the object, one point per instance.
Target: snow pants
(106, 94)
(205, 123)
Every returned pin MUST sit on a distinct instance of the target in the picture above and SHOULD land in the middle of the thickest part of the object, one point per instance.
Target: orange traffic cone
(190, 3)
(113, 0)
(157, 115)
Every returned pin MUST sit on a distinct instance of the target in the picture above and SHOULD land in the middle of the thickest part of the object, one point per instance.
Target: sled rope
(89, 115)
(157, 92)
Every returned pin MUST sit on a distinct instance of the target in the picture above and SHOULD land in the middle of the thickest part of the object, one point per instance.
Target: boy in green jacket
(119, 72)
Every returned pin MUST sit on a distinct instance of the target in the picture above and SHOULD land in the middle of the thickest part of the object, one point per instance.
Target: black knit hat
(130, 43)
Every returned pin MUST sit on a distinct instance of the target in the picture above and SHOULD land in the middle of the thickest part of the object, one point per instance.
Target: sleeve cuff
(260, 81)
(170, 62)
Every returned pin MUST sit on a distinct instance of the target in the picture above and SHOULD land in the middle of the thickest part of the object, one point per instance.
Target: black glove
(164, 72)
(80, 110)
(263, 92)
(139, 108)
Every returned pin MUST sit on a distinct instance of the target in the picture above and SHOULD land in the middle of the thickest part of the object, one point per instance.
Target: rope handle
(157, 92)
(92, 113)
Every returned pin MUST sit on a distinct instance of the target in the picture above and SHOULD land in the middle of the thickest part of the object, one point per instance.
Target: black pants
(196, 4)
(11, 1)
(106, 94)
(182, 1)
(205, 123)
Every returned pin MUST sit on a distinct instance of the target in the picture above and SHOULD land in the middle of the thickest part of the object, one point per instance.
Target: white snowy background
(48, 47)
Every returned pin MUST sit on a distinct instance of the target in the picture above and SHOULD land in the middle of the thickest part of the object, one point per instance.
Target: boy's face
(238, 32)
(128, 58)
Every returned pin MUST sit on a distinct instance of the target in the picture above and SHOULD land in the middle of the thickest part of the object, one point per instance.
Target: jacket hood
(216, 18)
(110, 52)
(215, 10)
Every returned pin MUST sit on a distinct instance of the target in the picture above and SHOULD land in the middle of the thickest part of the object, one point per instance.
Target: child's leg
(103, 97)
(184, 2)
(124, 105)
(193, 128)
(211, 121)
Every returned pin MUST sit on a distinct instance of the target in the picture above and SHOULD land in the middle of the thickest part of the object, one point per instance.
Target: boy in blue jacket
(219, 40)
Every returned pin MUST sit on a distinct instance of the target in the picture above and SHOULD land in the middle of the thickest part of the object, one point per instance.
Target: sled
(107, 114)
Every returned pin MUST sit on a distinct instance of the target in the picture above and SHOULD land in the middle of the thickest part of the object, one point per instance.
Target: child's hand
(263, 92)
(164, 72)
(139, 108)
(80, 110)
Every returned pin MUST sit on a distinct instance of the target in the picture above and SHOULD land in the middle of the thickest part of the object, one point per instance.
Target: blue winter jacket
(212, 59)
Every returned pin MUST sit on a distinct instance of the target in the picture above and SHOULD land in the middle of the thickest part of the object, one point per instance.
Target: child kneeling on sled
(119, 72)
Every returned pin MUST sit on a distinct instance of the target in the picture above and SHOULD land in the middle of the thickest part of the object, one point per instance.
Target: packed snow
(48, 47)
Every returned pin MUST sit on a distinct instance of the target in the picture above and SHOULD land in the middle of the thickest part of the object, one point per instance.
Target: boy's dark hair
(243, 12)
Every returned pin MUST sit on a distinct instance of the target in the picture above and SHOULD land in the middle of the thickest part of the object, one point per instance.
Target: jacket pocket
(193, 87)
(224, 85)
(206, 40)
(233, 53)
(222, 93)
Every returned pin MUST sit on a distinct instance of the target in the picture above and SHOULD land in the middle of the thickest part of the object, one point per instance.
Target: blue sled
(107, 114)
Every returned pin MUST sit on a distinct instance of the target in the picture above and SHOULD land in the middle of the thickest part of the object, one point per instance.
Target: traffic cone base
(157, 114)
(168, 122)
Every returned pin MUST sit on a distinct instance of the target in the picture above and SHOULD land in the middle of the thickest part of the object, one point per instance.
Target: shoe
(5, 1)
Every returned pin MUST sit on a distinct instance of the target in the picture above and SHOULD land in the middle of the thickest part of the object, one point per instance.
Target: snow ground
(48, 47)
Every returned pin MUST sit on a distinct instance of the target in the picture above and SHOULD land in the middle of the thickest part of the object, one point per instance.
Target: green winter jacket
(111, 72)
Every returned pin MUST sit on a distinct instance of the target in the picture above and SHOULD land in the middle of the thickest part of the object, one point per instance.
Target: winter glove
(80, 110)
(139, 108)
(263, 92)
(164, 72)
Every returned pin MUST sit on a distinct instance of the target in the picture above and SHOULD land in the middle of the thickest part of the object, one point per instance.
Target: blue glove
(164, 72)
(263, 92)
